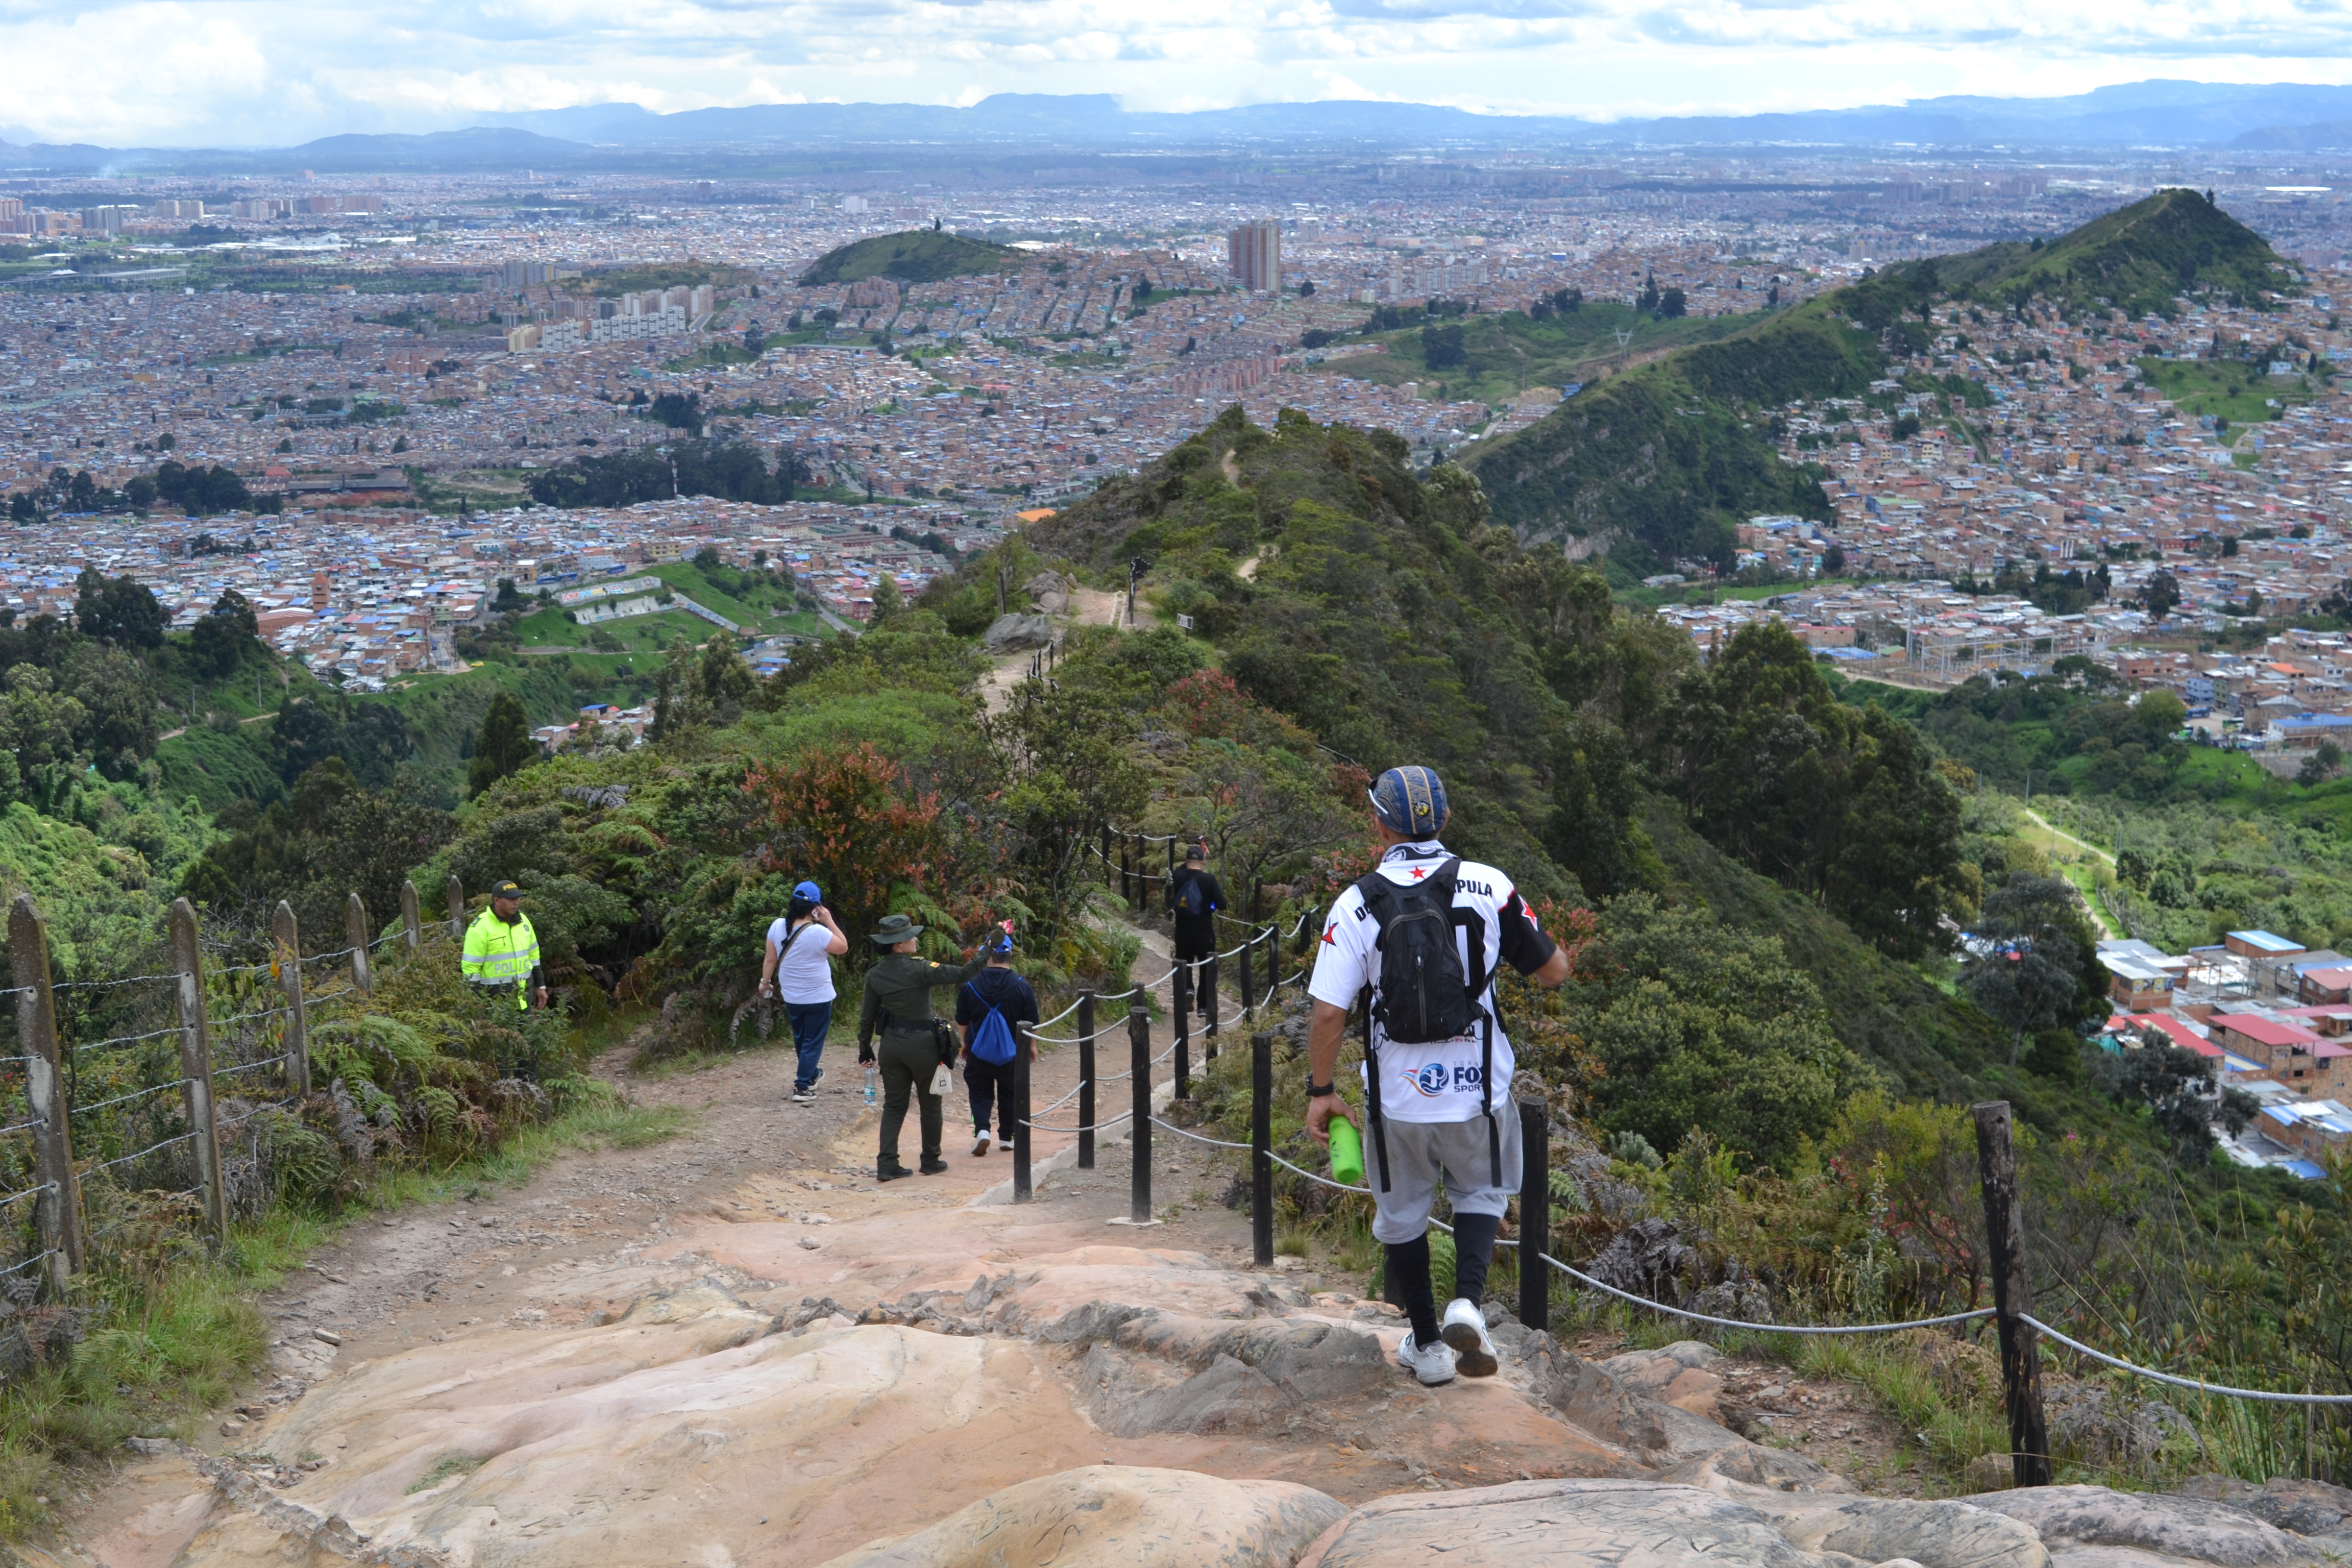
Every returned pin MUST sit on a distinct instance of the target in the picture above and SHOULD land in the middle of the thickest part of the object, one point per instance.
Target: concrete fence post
(57, 1212)
(197, 1063)
(285, 938)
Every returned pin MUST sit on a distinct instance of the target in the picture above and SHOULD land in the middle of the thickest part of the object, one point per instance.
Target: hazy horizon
(190, 73)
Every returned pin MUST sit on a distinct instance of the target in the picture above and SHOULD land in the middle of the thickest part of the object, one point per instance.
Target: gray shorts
(1423, 1153)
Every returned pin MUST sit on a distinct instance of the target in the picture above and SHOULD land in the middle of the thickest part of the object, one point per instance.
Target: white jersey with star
(1438, 1080)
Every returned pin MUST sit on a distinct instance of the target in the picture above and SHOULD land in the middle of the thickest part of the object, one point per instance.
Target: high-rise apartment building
(1253, 256)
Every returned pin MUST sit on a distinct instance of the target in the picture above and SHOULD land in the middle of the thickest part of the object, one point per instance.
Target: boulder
(1049, 591)
(1160, 1372)
(2195, 1528)
(1555, 1524)
(1586, 1395)
(1117, 1516)
(1676, 1375)
(1012, 632)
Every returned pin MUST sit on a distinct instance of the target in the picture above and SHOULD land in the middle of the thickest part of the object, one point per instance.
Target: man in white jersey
(1442, 1108)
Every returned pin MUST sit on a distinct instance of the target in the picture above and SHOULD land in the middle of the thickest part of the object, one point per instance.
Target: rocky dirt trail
(733, 1347)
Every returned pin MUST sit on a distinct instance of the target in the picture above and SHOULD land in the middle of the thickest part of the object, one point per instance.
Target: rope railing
(2265, 1396)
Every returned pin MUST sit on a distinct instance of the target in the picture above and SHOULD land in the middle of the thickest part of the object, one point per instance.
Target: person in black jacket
(1194, 896)
(991, 1083)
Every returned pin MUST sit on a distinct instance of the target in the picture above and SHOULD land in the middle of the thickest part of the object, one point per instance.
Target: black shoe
(933, 1167)
(891, 1172)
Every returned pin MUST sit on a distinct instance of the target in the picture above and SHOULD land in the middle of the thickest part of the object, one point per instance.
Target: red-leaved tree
(852, 821)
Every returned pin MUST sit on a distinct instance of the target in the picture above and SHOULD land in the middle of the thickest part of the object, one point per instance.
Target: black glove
(866, 1056)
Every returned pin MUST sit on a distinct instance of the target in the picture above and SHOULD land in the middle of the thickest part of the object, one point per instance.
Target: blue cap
(808, 890)
(1410, 801)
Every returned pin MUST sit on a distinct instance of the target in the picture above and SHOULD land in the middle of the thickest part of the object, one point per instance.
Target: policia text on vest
(501, 949)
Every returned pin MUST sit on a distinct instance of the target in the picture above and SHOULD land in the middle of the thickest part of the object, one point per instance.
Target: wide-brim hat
(894, 929)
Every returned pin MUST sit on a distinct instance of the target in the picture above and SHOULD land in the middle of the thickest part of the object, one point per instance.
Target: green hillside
(1668, 456)
(1505, 352)
(1388, 618)
(2137, 259)
(917, 256)
(1665, 458)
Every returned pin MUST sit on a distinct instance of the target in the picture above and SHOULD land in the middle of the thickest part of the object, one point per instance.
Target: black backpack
(1424, 996)
(1191, 899)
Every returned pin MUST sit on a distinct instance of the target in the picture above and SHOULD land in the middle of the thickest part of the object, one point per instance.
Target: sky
(274, 72)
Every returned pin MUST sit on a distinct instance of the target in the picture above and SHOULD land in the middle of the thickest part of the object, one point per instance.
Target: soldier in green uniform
(899, 1004)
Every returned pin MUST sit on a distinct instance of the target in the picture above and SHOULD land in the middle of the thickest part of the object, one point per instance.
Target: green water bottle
(1347, 1153)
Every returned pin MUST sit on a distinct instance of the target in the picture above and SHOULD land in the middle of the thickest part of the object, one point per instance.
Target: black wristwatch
(1318, 1091)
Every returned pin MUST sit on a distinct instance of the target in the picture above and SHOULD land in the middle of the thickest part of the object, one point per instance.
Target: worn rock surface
(2195, 1528)
(1117, 1517)
(1540, 1523)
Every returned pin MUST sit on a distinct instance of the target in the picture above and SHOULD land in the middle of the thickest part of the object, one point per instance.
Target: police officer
(899, 1004)
(501, 949)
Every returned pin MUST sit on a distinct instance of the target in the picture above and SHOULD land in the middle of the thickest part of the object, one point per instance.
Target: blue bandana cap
(1410, 801)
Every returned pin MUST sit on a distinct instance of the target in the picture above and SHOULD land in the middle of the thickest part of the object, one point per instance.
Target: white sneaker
(979, 1142)
(1433, 1364)
(1464, 1330)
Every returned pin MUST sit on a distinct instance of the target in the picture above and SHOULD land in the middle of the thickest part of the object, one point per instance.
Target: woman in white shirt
(801, 949)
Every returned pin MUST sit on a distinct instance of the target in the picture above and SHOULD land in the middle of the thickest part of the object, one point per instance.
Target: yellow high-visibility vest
(497, 953)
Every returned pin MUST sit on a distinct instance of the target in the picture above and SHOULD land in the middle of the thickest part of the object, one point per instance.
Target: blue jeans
(809, 1022)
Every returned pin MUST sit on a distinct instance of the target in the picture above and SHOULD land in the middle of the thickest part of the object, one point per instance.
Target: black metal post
(1086, 1080)
(1206, 1001)
(1262, 1149)
(1139, 1037)
(1024, 1049)
(1180, 995)
(1249, 992)
(1535, 1213)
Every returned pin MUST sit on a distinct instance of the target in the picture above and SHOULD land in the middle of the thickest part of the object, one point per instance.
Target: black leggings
(991, 1084)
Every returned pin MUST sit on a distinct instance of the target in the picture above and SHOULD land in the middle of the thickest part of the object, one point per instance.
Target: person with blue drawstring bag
(989, 1006)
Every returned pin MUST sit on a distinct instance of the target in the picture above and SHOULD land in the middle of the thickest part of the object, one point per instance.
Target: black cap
(505, 890)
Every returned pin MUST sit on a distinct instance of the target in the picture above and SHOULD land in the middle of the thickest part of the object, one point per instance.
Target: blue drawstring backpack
(993, 1040)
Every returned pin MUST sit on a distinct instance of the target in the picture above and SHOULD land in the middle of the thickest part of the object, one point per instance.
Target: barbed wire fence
(126, 1092)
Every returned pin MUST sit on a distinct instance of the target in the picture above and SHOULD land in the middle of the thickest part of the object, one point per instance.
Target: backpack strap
(1372, 1095)
(1475, 927)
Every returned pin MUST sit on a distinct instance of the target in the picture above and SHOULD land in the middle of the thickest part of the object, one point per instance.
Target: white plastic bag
(941, 1080)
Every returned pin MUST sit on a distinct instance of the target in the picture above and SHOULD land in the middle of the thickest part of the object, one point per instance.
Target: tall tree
(504, 746)
(2033, 963)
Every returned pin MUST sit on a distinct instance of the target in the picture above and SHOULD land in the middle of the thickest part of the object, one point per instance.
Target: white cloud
(247, 72)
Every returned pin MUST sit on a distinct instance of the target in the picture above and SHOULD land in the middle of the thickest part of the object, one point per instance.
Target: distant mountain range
(2151, 113)
(2281, 118)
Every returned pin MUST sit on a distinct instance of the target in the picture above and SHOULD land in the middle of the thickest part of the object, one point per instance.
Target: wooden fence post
(1086, 1080)
(197, 1063)
(57, 1212)
(1110, 867)
(456, 909)
(288, 939)
(355, 934)
(2012, 1296)
(1024, 1047)
(1535, 1213)
(1139, 1037)
(412, 919)
(1262, 1149)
